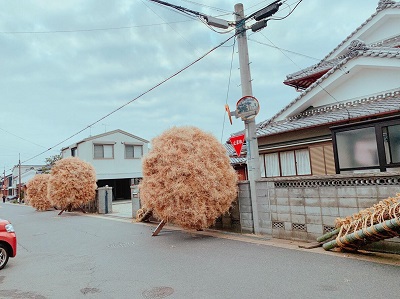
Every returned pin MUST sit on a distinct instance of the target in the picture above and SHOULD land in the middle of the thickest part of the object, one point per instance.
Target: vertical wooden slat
(317, 160)
(329, 159)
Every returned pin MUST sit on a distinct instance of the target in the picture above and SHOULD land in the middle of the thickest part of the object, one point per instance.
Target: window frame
(279, 156)
(133, 145)
(378, 126)
(103, 144)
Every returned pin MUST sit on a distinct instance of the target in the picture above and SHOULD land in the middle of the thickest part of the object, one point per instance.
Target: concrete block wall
(246, 215)
(304, 208)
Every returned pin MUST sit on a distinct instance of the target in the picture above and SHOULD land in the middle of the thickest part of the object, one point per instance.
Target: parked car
(8, 242)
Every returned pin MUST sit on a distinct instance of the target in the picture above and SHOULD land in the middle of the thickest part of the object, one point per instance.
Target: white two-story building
(116, 157)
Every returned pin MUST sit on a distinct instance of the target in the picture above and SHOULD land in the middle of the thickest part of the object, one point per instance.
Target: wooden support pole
(159, 228)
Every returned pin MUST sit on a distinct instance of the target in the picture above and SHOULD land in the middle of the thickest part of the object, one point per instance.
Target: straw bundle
(187, 178)
(379, 222)
(36, 192)
(384, 210)
(72, 183)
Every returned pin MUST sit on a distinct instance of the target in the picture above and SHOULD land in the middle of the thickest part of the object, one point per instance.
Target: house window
(358, 148)
(286, 163)
(272, 165)
(369, 146)
(74, 151)
(391, 141)
(103, 151)
(133, 151)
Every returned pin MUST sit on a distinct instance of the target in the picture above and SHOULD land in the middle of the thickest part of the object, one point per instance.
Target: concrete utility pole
(19, 178)
(253, 160)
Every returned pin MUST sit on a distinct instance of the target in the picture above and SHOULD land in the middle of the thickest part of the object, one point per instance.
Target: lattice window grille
(338, 182)
(299, 227)
(278, 225)
(328, 228)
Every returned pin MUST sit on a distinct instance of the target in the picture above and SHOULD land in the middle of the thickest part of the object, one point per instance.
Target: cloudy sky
(66, 65)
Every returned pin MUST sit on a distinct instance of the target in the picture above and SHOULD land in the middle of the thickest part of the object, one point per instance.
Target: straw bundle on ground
(379, 222)
(36, 192)
(187, 178)
(72, 183)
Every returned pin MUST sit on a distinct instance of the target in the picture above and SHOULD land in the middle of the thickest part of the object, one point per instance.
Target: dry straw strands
(384, 210)
(72, 183)
(187, 178)
(36, 192)
(379, 222)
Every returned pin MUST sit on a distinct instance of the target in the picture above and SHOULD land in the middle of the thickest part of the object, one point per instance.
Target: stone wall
(304, 208)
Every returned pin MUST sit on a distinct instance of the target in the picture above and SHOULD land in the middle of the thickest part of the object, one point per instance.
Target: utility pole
(19, 178)
(4, 182)
(253, 161)
(261, 17)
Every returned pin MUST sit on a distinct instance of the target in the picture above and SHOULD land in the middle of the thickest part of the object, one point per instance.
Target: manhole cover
(158, 292)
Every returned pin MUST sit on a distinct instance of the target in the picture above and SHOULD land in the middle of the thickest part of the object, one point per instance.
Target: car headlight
(10, 228)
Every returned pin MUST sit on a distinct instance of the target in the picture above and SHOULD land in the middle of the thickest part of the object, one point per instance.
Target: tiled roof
(383, 4)
(375, 105)
(232, 155)
(316, 68)
(357, 49)
(325, 65)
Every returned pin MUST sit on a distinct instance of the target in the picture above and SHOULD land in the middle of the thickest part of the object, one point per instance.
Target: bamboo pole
(388, 226)
(328, 235)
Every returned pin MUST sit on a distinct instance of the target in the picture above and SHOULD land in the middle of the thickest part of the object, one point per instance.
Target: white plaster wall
(116, 168)
(360, 77)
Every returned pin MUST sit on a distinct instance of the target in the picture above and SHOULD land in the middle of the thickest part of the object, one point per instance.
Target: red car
(8, 242)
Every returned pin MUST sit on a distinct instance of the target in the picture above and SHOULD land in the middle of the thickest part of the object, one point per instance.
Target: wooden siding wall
(322, 160)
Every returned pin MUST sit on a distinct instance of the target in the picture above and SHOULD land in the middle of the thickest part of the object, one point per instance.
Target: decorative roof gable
(301, 80)
(357, 49)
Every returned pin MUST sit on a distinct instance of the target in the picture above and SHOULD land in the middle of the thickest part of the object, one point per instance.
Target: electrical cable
(22, 138)
(302, 71)
(90, 30)
(207, 6)
(281, 49)
(229, 84)
(185, 39)
(134, 99)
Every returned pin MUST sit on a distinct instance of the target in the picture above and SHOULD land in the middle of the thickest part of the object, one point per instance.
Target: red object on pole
(237, 143)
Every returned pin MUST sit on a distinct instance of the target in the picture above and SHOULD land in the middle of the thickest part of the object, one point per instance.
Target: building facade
(116, 157)
(335, 148)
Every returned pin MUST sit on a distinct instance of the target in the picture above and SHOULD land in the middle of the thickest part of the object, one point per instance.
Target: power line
(229, 84)
(90, 29)
(281, 49)
(22, 138)
(134, 99)
(183, 37)
(302, 71)
(208, 6)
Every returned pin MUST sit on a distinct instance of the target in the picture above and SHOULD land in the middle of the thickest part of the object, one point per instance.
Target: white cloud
(55, 84)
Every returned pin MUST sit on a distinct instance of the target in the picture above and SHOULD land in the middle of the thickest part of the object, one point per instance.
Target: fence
(306, 208)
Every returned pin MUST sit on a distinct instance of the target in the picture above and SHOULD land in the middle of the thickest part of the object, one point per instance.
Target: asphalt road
(79, 256)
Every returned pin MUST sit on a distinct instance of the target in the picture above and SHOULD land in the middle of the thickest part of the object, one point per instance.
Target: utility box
(105, 197)
(136, 205)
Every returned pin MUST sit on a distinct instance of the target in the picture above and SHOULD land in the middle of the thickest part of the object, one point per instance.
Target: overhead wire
(90, 29)
(19, 137)
(207, 6)
(228, 89)
(319, 85)
(176, 31)
(281, 49)
(134, 99)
